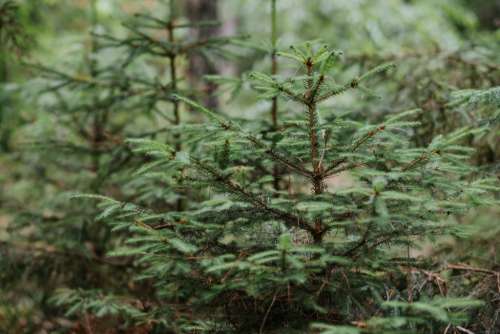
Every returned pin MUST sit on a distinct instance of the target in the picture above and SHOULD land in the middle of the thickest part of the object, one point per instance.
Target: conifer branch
(314, 91)
(289, 93)
(366, 137)
(422, 158)
(340, 169)
(334, 164)
(271, 152)
(332, 169)
(337, 91)
(209, 42)
(166, 48)
(289, 219)
(163, 150)
(354, 83)
(226, 125)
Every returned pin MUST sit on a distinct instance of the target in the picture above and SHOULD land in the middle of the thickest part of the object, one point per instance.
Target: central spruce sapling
(233, 263)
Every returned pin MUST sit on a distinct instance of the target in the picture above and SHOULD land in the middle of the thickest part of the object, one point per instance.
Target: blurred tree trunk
(488, 12)
(4, 132)
(199, 64)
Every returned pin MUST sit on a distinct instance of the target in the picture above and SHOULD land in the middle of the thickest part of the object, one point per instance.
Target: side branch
(271, 152)
(290, 219)
(424, 157)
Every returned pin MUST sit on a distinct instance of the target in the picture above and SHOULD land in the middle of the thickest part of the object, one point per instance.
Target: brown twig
(261, 329)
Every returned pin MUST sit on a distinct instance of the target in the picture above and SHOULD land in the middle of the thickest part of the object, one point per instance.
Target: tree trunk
(199, 65)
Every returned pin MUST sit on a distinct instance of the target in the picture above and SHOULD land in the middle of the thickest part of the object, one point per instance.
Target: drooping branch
(257, 202)
(268, 150)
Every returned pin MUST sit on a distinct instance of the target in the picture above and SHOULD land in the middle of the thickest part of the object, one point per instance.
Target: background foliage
(78, 78)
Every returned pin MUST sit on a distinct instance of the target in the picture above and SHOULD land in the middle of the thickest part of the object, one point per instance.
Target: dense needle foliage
(305, 204)
(251, 257)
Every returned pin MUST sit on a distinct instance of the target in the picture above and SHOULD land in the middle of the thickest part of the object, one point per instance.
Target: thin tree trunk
(199, 65)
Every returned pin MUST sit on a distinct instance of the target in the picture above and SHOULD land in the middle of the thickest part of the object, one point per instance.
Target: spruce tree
(314, 258)
(74, 144)
(88, 106)
(303, 221)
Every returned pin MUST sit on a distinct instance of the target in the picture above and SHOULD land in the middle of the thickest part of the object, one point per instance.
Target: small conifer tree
(252, 259)
(229, 226)
(87, 108)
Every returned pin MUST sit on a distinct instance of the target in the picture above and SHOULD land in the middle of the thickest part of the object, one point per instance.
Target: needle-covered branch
(220, 179)
(231, 126)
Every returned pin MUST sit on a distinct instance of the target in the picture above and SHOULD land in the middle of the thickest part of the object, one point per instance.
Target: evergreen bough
(270, 242)
(88, 106)
(314, 257)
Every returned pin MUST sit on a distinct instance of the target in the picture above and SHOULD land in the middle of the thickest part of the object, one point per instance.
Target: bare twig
(261, 329)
